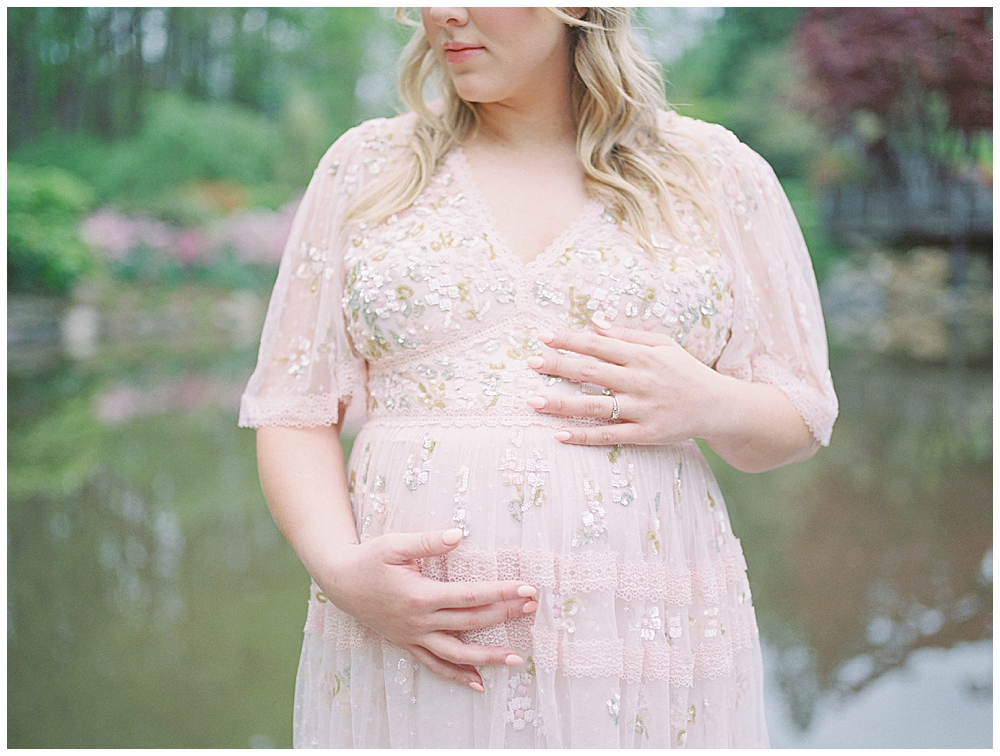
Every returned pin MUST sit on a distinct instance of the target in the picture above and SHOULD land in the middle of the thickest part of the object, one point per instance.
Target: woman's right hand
(379, 583)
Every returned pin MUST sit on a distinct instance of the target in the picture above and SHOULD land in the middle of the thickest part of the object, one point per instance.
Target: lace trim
(810, 403)
(338, 628)
(516, 633)
(554, 651)
(297, 411)
(691, 657)
(647, 661)
(589, 571)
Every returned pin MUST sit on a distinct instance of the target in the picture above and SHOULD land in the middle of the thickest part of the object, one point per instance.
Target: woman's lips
(460, 53)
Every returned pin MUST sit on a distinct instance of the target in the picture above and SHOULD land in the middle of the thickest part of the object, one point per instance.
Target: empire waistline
(508, 417)
(472, 334)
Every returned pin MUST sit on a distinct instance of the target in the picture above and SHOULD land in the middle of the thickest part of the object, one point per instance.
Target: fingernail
(513, 659)
(546, 337)
(477, 687)
(563, 436)
(453, 536)
(598, 319)
(535, 362)
(529, 607)
(536, 402)
(526, 591)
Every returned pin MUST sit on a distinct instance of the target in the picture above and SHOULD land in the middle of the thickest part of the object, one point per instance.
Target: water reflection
(882, 544)
(940, 698)
(151, 601)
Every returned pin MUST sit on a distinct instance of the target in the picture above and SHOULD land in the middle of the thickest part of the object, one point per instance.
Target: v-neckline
(461, 167)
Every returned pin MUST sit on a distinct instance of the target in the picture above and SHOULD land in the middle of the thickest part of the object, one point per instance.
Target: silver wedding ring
(615, 409)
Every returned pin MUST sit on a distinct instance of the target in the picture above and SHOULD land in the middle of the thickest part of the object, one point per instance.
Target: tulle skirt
(644, 636)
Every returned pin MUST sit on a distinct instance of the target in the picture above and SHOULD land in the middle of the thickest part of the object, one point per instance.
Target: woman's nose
(449, 16)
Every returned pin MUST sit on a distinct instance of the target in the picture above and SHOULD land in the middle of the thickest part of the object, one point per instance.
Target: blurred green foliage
(143, 102)
(95, 70)
(172, 148)
(744, 75)
(224, 270)
(181, 141)
(228, 271)
(822, 249)
(44, 206)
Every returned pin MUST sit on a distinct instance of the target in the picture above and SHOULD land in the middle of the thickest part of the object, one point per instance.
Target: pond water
(152, 603)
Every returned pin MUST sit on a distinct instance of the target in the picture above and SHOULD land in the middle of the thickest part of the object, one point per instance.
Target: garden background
(155, 157)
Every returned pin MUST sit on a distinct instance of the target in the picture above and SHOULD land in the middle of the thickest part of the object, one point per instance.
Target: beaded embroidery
(519, 711)
(593, 519)
(526, 476)
(459, 514)
(418, 471)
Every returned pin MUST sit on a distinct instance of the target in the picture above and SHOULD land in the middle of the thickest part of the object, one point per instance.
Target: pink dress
(645, 633)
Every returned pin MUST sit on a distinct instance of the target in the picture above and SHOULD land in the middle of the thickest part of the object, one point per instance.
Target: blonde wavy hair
(617, 95)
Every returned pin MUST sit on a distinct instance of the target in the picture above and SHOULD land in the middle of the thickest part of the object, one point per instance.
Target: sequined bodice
(445, 315)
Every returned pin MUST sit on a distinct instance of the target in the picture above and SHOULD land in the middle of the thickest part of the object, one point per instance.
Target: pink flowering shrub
(111, 232)
(253, 237)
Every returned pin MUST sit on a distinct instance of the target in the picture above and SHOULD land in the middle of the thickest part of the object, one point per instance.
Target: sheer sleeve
(306, 367)
(778, 334)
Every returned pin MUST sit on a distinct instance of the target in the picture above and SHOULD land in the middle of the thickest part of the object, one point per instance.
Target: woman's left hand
(664, 394)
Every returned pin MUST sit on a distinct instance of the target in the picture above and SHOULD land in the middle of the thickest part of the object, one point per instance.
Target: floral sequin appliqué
(520, 712)
(526, 476)
(593, 519)
(418, 472)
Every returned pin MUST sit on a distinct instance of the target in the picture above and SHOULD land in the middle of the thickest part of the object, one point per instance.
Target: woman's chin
(472, 89)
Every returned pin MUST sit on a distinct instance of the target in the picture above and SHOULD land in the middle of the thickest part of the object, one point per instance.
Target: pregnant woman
(546, 286)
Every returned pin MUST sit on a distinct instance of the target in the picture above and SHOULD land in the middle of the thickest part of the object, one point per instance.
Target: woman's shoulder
(712, 145)
(372, 144)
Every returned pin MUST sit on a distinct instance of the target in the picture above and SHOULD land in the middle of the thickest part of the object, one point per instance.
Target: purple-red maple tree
(927, 73)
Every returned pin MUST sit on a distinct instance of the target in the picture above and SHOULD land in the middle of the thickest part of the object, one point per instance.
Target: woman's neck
(516, 128)
(542, 117)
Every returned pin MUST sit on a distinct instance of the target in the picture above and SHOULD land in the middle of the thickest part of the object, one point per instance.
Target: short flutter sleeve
(778, 333)
(306, 367)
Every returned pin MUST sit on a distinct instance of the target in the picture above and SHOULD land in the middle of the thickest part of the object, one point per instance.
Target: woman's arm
(755, 426)
(666, 395)
(302, 476)
(379, 582)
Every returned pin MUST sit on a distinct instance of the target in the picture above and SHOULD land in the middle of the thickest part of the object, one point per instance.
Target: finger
(402, 548)
(449, 648)
(633, 335)
(466, 620)
(584, 406)
(610, 350)
(463, 674)
(604, 435)
(578, 369)
(465, 595)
